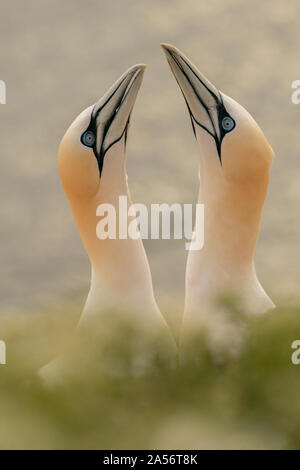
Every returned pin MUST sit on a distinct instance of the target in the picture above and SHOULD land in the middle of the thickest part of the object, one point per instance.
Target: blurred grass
(223, 400)
(118, 391)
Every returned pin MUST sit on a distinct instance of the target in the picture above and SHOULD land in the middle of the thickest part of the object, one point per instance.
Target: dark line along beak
(203, 100)
(111, 114)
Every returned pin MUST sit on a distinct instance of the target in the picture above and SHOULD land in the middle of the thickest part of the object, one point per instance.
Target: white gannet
(91, 161)
(235, 160)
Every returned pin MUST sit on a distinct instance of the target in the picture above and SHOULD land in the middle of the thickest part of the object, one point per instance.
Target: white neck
(225, 264)
(121, 277)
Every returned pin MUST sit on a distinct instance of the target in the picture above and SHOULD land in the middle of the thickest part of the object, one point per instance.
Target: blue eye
(228, 123)
(88, 138)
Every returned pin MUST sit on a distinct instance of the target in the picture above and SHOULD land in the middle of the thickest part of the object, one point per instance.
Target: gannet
(91, 162)
(235, 160)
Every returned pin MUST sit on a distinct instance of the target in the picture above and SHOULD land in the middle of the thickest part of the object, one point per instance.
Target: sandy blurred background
(59, 57)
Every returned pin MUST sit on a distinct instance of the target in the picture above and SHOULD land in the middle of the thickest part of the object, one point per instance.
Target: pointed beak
(201, 96)
(111, 114)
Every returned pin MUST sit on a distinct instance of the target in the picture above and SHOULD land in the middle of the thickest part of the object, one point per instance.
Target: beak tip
(136, 69)
(140, 69)
(164, 46)
(168, 47)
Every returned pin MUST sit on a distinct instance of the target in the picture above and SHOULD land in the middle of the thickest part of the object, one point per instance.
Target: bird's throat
(226, 262)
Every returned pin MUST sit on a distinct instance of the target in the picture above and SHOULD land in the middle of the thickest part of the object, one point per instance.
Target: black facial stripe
(126, 130)
(108, 99)
(193, 119)
(221, 110)
(197, 76)
(124, 133)
(196, 93)
(93, 128)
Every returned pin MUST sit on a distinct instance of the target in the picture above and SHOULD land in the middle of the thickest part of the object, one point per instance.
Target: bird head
(94, 134)
(233, 148)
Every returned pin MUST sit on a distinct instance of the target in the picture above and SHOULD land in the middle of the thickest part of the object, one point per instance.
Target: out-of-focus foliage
(117, 390)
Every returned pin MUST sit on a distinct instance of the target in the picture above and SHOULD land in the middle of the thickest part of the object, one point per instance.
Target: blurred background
(57, 58)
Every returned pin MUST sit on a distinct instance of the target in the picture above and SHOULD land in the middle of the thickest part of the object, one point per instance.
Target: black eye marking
(225, 122)
(87, 138)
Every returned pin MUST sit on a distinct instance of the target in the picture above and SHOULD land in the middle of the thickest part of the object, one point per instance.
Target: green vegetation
(116, 389)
